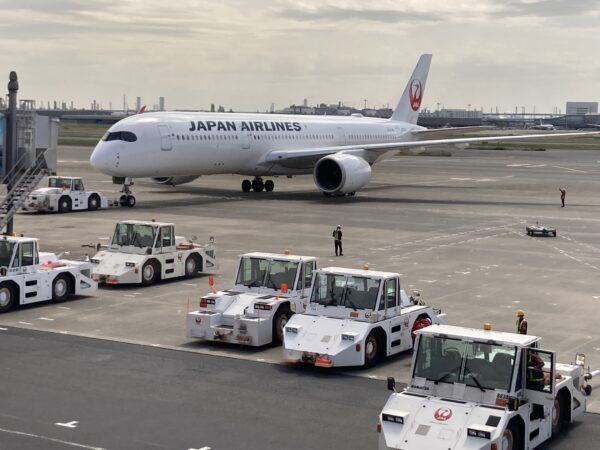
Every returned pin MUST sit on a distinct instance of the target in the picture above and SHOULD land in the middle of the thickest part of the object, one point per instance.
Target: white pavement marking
(129, 295)
(189, 284)
(58, 441)
(46, 318)
(63, 307)
(25, 323)
(201, 448)
(72, 424)
(3, 329)
(567, 168)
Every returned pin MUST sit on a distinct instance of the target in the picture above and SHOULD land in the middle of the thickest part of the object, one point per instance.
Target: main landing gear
(127, 198)
(257, 185)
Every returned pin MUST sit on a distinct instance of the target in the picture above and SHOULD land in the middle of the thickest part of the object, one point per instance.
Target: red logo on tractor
(415, 94)
(442, 414)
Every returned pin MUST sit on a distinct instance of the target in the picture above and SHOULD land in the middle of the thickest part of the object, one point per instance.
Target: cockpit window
(126, 136)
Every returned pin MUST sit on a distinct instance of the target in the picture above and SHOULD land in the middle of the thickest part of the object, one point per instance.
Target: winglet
(408, 107)
(141, 110)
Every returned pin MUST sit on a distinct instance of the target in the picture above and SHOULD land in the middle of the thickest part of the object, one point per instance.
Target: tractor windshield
(259, 272)
(59, 182)
(6, 252)
(134, 234)
(348, 291)
(476, 364)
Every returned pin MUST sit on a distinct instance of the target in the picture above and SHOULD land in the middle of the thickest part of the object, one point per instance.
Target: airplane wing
(448, 132)
(303, 158)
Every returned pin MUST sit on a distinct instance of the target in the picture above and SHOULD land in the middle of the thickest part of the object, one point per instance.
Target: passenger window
(27, 254)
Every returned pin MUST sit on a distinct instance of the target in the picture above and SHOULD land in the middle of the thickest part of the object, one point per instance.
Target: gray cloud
(343, 14)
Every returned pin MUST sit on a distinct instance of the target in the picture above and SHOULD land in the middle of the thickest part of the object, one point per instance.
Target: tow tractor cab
(480, 389)
(29, 276)
(65, 194)
(145, 252)
(354, 318)
(268, 289)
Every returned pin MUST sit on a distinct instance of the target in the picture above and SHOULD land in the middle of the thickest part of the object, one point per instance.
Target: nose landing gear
(257, 185)
(127, 198)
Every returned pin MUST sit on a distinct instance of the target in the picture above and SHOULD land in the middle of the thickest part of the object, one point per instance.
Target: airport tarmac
(454, 227)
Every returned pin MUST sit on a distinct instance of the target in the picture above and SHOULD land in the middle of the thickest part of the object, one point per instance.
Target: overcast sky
(247, 54)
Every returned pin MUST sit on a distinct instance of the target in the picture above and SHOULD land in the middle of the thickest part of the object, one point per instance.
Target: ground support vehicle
(145, 252)
(66, 194)
(355, 318)
(29, 276)
(480, 389)
(540, 230)
(269, 288)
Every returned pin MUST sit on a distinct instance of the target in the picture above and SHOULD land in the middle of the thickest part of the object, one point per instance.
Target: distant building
(161, 103)
(138, 103)
(582, 108)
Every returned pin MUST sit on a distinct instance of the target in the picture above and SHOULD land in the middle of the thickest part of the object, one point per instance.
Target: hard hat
(520, 313)
(339, 226)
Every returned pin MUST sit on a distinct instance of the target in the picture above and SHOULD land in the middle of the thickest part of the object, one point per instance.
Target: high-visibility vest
(521, 323)
(533, 374)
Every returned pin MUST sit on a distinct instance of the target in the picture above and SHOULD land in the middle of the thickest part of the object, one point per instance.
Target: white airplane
(542, 126)
(177, 147)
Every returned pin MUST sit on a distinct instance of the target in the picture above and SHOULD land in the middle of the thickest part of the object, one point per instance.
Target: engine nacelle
(341, 173)
(174, 181)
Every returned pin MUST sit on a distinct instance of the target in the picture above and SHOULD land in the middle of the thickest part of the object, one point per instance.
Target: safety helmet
(339, 226)
(520, 313)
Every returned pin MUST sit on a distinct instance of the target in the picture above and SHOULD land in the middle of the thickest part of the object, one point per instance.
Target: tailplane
(407, 109)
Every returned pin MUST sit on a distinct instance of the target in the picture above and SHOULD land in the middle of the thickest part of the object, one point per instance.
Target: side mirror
(3, 271)
(391, 384)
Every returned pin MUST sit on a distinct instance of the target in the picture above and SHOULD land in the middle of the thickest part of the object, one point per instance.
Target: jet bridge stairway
(22, 182)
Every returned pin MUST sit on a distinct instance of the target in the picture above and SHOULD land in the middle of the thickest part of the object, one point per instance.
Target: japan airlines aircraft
(177, 147)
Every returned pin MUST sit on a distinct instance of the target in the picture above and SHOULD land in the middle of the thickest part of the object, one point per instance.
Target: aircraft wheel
(7, 297)
(326, 194)
(351, 194)
(123, 200)
(269, 185)
(246, 185)
(61, 288)
(130, 201)
(64, 204)
(93, 202)
(258, 185)
(150, 273)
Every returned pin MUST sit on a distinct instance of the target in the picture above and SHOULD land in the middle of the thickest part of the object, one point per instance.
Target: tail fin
(410, 102)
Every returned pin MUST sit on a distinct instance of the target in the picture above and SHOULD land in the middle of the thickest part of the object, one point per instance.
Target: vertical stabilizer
(408, 107)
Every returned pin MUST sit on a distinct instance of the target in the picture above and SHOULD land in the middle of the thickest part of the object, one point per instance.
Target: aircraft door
(341, 136)
(165, 138)
(245, 139)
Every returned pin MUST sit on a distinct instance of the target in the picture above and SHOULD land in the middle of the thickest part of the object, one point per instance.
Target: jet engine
(174, 181)
(341, 173)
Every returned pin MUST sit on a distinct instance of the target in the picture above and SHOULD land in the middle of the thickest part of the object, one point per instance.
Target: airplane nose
(100, 158)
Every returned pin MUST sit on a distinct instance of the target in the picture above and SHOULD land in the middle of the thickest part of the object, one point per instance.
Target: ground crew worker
(563, 194)
(536, 381)
(337, 240)
(521, 322)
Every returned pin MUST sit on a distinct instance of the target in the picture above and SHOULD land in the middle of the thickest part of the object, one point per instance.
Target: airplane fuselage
(165, 144)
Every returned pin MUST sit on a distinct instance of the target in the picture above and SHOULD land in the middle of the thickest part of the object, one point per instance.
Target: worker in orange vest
(521, 324)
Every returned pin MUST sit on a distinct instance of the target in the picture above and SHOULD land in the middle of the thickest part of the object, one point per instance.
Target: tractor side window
(27, 254)
(308, 270)
(77, 185)
(391, 293)
(166, 237)
(539, 370)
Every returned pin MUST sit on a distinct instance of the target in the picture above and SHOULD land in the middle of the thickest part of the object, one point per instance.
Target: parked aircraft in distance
(542, 126)
(177, 147)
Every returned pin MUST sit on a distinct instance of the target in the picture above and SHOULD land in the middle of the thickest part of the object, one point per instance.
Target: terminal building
(581, 108)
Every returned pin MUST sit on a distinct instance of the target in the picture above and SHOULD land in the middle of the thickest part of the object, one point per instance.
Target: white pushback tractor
(65, 194)
(355, 318)
(268, 289)
(145, 252)
(29, 276)
(481, 389)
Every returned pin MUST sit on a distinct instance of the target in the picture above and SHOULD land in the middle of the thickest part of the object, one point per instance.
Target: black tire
(554, 233)
(192, 266)
(351, 194)
(269, 185)
(130, 201)
(64, 204)
(93, 202)
(246, 186)
(258, 186)
(558, 412)
(373, 347)
(150, 273)
(61, 288)
(282, 316)
(326, 194)
(510, 438)
(123, 200)
(8, 296)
